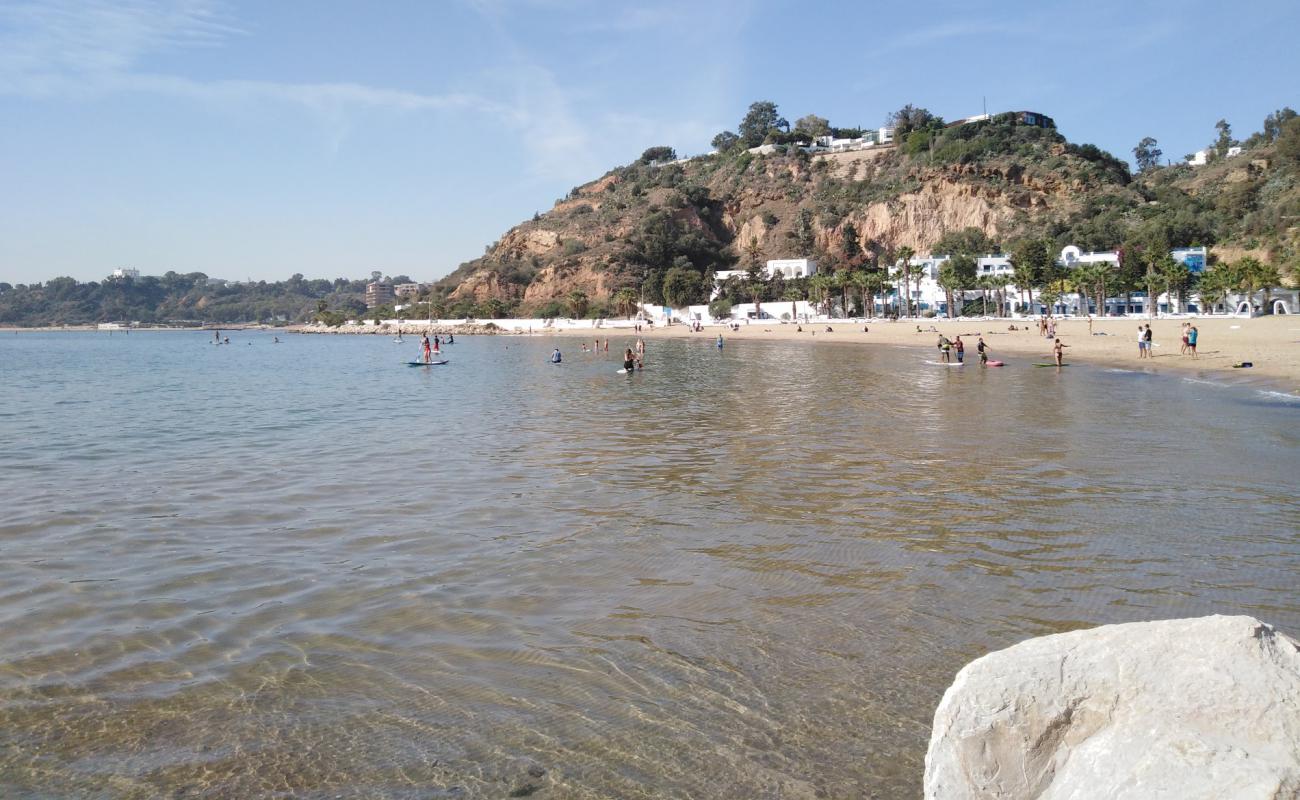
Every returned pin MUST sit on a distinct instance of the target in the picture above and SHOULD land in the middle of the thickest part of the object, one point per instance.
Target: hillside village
(865, 211)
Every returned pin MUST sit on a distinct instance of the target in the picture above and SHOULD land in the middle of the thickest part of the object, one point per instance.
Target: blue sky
(255, 140)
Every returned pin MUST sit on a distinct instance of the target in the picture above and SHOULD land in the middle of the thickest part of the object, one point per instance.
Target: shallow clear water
(306, 570)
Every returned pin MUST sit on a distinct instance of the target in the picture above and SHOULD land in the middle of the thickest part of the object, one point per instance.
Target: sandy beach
(1272, 343)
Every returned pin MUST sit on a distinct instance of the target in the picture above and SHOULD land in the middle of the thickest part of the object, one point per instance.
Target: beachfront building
(379, 293)
(787, 268)
(930, 296)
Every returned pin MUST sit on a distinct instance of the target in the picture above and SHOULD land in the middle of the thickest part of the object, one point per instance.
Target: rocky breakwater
(1189, 708)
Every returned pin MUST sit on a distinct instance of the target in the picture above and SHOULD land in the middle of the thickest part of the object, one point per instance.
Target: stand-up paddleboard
(426, 363)
(946, 363)
(1066, 364)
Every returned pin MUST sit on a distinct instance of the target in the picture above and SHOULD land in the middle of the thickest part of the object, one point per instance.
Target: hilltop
(659, 226)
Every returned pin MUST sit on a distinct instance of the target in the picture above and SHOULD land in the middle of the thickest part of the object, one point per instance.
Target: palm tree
(1265, 276)
(793, 294)
(1174, 276)
(625, 301)
(819, 288)
(578, 303)
(862, 281)
(1213, 287)
(905, 254)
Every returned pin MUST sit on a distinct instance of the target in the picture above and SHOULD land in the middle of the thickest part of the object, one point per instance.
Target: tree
(1273, 123)
(813, 125)
(760, 121)
(803, 234)
(1288, 141)
(910, 118)
(725, 141)
(905, 254)
(819, 290)
(577, 302)
(681, 287)
(625, 302)
(850, 245)
(1029, 263)
(861, 280)
(963, 276)
(1224, 140)
(949, 281)
(1174, 276)
(753, 252)
(1254, 275)
(1147, 155)
(659, 153)
(970, 241)
(1213, 287)
(720, 308)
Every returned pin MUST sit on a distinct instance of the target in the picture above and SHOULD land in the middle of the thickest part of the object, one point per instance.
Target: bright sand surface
(1272, 343)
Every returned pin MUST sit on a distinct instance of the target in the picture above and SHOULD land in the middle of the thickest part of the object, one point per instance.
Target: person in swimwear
(629, 360)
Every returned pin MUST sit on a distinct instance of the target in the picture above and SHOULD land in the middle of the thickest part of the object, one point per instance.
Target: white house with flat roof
(125, 272)
(787, 268)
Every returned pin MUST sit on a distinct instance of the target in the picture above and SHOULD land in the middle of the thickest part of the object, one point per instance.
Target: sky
(254, 140)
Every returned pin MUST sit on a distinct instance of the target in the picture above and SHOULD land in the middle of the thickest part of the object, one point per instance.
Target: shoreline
(1272, 344)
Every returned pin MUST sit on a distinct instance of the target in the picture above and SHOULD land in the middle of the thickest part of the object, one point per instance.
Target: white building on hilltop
(125, 272)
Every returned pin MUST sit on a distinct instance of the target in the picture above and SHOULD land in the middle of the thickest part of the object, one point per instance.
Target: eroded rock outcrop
(1190, 708)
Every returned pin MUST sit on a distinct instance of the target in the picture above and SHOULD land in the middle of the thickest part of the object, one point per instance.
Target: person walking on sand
(1142, 342)
(1192, 333)
(1183, 350)
(1147, 337)
(1057, 353)
(1089, 324)
(960, 349)
(983, 351)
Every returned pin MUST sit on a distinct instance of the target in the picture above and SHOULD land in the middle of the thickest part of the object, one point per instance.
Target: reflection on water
(305, 570)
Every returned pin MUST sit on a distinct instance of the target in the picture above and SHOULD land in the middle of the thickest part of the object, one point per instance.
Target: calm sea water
(304, 570)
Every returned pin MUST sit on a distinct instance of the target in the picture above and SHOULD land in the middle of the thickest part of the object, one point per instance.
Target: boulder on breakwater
(1188, 708)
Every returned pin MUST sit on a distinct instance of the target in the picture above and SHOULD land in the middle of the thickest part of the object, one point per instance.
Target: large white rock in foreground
(1186, 709)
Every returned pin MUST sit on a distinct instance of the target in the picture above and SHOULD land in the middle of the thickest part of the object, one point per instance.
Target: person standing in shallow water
(960, 349)
(1057, 352)
(629, 360)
